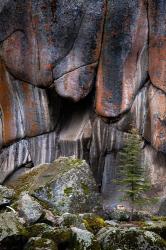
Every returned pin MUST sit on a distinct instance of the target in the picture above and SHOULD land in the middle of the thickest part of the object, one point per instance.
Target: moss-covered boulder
(69, 220)
(129, 239)
(92, 222)
(66, 185)
(119, 215)
(84, 240)
(158, 227)
(63, 237)
(87, 221)
(39, 229)
(12, 233)
(39, 243)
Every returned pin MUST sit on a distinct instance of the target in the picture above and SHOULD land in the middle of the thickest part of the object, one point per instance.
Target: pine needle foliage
(132, 176)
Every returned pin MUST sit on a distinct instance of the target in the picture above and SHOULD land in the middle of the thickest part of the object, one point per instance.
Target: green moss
(40, 243)
(68, 191)
(94, 223)
(68, 220)
(129, 239)
(38, 229)
(45, 173)
(74, 161)
(59, 235)
(83, 239)
(157, 227)
(159, 218)
(85, 188)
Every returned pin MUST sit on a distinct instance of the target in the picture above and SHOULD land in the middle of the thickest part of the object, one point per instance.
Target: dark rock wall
(75, 77)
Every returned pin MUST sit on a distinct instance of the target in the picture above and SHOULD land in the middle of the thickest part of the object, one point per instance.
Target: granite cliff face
(75, 77)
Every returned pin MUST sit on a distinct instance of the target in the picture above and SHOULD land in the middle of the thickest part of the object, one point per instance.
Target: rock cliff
(75, 77)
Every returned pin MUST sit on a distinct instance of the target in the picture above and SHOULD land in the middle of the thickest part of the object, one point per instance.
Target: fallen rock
(92, 222)
(129, 239)
(112, 223)
(158, 227)
(39, 243)
(67, 186)
(69, 220)
(119, 215)
(73, 190)
(12, 233)
(6, 195)
(39, 229)
(62, 237)
(49, 218)
(83, 239)
(29, 209)
(88, 221)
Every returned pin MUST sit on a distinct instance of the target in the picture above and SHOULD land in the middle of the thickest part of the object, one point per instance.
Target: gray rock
(39, 243)
(39, 229)
(83, 239)
(119, 215)
(162, 209)
(50, 218)
(6, 195)
(67, 185)
(29, 209)
(112, 223)
(72, 189)
(68, 220)
(158, 227)
(129, 239)
(61, 236)
(11, 230)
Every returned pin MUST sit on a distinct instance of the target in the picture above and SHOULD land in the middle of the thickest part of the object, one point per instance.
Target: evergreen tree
(132, 175)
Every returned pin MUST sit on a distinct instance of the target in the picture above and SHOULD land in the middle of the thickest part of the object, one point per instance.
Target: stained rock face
(53, 38)
(122, 68)
(75, 77)
(157, 43)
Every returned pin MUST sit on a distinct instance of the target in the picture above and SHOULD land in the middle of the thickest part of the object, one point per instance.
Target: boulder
(6, 195)
(92, 222)
(119, 215)
(66, 185)
(50, 218)
(158, 227)
(39, 243)
(129, 239)
(68, 220)
(39, 229)
(29, 209)
(88, 221)
(83, 239)
(12, 234)
(63, 237)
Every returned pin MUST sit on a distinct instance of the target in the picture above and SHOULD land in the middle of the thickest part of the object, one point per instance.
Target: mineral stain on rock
(75, 77)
